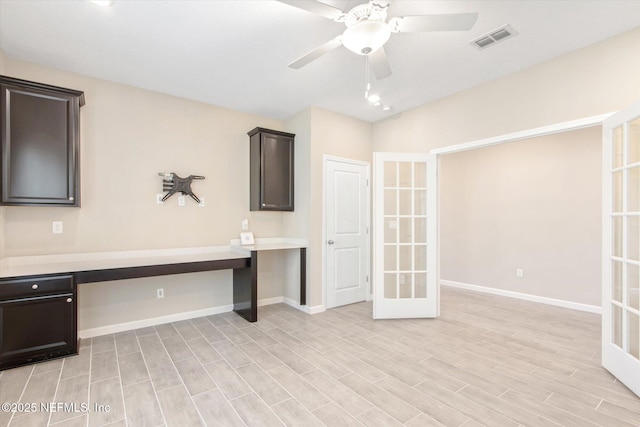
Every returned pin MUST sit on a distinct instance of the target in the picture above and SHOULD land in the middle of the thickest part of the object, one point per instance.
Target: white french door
(621, 247)
(405, 276)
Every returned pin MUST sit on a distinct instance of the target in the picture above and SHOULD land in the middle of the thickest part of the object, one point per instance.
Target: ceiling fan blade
(445, 22)
(318, 8)
(316, 53)
(380, 64)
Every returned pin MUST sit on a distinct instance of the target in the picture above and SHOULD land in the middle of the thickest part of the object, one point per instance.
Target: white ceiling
(235, 53)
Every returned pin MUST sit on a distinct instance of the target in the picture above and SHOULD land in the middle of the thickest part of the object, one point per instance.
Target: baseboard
(304, 308)
(136, 324)
(527, 297)
(269, 301)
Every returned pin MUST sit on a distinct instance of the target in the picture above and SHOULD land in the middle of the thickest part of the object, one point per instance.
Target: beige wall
(598, 79)
(319, 133)
(128, 135)
(533, 204)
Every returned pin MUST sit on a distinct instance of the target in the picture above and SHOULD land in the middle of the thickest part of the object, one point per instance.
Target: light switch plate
(56, 227)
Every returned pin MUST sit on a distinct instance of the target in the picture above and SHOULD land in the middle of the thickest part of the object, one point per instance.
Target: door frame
(327, 158)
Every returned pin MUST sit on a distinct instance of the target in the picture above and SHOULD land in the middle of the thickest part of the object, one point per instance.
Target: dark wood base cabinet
(37, 319)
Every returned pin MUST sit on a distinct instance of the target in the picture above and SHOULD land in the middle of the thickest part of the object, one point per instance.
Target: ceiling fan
(368, 30)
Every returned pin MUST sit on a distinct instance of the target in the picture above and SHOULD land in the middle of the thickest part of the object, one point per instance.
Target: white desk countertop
(69, 263)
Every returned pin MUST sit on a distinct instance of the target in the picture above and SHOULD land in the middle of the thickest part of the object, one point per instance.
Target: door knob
(331, 242)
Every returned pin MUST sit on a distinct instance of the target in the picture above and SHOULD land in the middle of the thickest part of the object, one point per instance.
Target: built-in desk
(26, 282)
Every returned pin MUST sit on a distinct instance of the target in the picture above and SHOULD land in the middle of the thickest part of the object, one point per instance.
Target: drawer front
(35, 286)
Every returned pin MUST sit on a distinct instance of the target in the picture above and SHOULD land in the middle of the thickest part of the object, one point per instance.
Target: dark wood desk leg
(303, 276)
(245, 290)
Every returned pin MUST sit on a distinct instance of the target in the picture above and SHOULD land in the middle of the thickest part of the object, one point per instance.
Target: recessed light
(374, 98)
(386, 108)
(104, 3)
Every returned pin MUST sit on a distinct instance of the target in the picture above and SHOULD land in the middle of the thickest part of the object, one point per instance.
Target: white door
(621, 247)
(405, 272)
(346, 231)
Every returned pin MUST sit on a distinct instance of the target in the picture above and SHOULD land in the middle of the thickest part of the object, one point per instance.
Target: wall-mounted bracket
(172, 184)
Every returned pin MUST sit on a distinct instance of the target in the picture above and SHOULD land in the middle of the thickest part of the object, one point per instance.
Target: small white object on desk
(246, 238)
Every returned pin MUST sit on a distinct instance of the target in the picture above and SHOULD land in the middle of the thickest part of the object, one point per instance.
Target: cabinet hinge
(367, 278)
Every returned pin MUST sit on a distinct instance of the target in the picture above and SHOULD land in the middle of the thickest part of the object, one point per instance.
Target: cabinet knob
(34, 286)
(69, 299)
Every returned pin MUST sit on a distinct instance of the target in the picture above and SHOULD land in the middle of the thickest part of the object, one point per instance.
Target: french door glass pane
(617, 192)
(633, 190)
(420, 280)
(390, 285)
(617, 236)
(633, 238)
(390, 232)
(633, 336)
(405, 202)
(617, 147)
(616, 323)
(390, 258)
(420, 202)
(406, 285)
(405, 178)
(420, 174)
(633, 286)
(390, 204)
(420, 257)
(633, 141)
(390, 174)
(616, 288)
(405, 258)
(421, 230)
(406, 232)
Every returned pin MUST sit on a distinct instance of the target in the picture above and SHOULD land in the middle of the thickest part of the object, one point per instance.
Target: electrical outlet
(160, 293)
(56, 227)
(519, 272)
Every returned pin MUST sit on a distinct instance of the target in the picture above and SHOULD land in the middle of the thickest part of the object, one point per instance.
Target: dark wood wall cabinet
(271, 170)
(39, 160)
(37, 319)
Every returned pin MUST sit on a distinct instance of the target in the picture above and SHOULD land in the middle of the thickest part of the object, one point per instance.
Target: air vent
(492, 37)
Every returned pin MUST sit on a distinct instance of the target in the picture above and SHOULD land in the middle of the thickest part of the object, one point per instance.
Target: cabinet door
(276, 184)
(33, 329)
(39, 147)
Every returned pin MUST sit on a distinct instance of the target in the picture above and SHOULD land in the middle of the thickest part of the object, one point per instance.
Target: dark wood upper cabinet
(39, 161)
(271, 170)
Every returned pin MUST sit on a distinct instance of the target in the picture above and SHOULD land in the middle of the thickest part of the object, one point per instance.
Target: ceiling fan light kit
(366, 36)
(368, 30)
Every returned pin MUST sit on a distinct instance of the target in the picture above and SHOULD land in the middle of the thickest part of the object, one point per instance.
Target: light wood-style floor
(487, 360)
